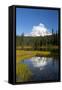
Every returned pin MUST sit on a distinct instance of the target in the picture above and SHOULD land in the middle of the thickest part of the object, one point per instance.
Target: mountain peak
(39, 30)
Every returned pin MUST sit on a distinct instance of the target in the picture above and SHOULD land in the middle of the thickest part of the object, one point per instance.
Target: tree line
(38, 43)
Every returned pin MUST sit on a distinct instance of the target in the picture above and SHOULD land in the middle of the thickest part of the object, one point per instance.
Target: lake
(42, 69)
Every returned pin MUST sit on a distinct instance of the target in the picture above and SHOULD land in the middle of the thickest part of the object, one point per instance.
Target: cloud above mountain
(39, 30)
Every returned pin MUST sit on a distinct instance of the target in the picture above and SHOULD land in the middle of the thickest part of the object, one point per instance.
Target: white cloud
(39, 30)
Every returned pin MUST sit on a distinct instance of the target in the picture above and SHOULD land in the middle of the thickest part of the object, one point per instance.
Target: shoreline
(24, 54)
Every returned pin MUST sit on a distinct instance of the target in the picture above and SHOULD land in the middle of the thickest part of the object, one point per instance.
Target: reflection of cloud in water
(40, 61)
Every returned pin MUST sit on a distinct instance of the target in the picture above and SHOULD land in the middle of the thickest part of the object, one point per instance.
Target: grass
(21, 54)
(23, 73)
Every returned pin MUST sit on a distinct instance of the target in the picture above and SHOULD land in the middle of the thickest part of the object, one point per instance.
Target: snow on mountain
(39, 30)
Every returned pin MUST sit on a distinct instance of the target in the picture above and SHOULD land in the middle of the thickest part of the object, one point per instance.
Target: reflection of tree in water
(55, 61)
(23, 73)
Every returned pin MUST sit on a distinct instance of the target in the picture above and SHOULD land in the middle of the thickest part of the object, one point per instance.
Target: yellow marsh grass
(23, 72)
(21, 54)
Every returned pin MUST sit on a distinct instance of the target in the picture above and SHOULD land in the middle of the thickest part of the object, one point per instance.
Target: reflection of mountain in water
(40, 61)
(42, 68)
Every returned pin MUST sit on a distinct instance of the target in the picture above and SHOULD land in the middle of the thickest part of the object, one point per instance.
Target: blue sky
(27, 18)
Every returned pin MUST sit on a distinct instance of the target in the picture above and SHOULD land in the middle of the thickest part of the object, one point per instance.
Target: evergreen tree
(22, 41)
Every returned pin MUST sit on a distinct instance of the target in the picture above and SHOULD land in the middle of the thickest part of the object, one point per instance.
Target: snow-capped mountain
(39, 30)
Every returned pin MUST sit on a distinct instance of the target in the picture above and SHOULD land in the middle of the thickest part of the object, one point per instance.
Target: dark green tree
(52, 36)
(22, 41)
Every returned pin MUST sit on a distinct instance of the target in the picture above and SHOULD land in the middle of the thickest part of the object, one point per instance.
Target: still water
(43, 68)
